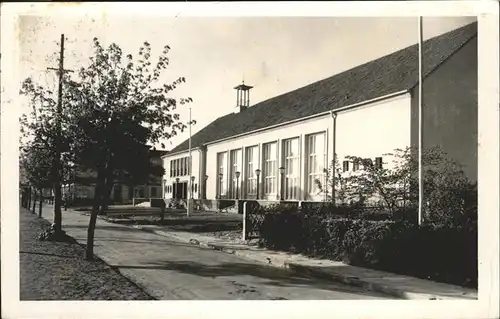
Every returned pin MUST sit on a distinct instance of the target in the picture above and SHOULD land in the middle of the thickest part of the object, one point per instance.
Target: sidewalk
(57, 270)
(399, 286)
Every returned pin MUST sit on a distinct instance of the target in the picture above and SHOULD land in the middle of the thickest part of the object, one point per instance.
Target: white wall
(375, 129)
(300, 130)
(366, 131)
(195, 155)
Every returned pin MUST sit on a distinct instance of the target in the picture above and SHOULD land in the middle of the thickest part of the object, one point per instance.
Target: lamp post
(257, 174)
(205, 187)
(237, 183)
(282, 174)
(192, 186)
(164, 188)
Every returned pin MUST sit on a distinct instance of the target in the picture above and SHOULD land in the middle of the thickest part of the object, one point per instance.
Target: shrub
(281, 227)
(446, 253)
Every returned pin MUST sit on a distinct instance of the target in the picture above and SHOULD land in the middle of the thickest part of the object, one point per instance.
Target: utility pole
(57, 159)
(420, 124)
(190, 183)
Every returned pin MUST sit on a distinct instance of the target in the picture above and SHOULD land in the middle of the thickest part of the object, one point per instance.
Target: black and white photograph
(212, 155)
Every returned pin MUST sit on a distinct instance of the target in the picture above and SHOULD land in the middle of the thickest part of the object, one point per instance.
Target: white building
(366, 111)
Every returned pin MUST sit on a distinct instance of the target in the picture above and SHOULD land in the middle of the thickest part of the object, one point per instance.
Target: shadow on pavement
(275, 276)
(119, 228)
(101, 241)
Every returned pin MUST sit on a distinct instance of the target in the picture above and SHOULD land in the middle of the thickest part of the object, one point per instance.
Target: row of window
(290, 159)
(356, 164)
(170, 188)
(179, 167)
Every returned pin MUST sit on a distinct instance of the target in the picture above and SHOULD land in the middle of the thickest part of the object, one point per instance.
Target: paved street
(171, 270)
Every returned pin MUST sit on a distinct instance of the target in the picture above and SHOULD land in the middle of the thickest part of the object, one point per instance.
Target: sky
(214, 54)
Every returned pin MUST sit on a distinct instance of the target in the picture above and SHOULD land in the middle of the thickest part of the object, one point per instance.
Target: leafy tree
(36, 162)
(40, 126)
(117, 106)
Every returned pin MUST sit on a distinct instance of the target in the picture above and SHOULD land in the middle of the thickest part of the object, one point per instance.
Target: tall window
(171, 168)
(292, 173)
(316, 157)
(221, 169)
(235, 167)
(184, 166)
(270, 169)
(252, 160)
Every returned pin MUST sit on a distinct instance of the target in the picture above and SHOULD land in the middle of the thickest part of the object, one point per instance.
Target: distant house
(84, 186)
(366, 111)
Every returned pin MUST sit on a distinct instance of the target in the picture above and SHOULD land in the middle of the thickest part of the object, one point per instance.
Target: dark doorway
(180, 190)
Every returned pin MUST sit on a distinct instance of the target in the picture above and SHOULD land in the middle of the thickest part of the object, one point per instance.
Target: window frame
(270, 168)
(345, 166)
(251, 164)
(222, 168)
(292, 172)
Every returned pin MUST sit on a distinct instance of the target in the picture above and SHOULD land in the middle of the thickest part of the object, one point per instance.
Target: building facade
(83, 188)
(277, 148)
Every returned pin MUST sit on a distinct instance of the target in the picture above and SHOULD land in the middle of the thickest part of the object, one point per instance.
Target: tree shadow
(146, 241)
(272, 276)
(118, 228)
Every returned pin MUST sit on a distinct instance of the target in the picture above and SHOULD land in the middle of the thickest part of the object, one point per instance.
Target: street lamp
(257, 173)
(192, 186)
(282, 173)
(205, 187)
(237, 182)
(220, 184)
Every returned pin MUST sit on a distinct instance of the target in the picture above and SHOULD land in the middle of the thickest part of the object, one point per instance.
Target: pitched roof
(392, 73)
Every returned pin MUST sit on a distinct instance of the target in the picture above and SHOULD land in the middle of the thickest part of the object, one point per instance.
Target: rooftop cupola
(242, 97)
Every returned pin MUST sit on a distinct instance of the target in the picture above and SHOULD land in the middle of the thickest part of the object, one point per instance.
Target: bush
(281, 227)
(446, 253)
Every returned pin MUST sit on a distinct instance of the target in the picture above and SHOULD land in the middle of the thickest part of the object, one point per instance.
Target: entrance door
(180, 190)
(184, 190)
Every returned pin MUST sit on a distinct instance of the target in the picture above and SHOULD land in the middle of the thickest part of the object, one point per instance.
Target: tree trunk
(40, 203)
(106, 193)
(22, 197)
(89, 253)
(29, 198)
(34, 201)
(57, 205)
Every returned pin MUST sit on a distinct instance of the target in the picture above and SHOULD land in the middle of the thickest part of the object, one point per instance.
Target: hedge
(441, 253)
